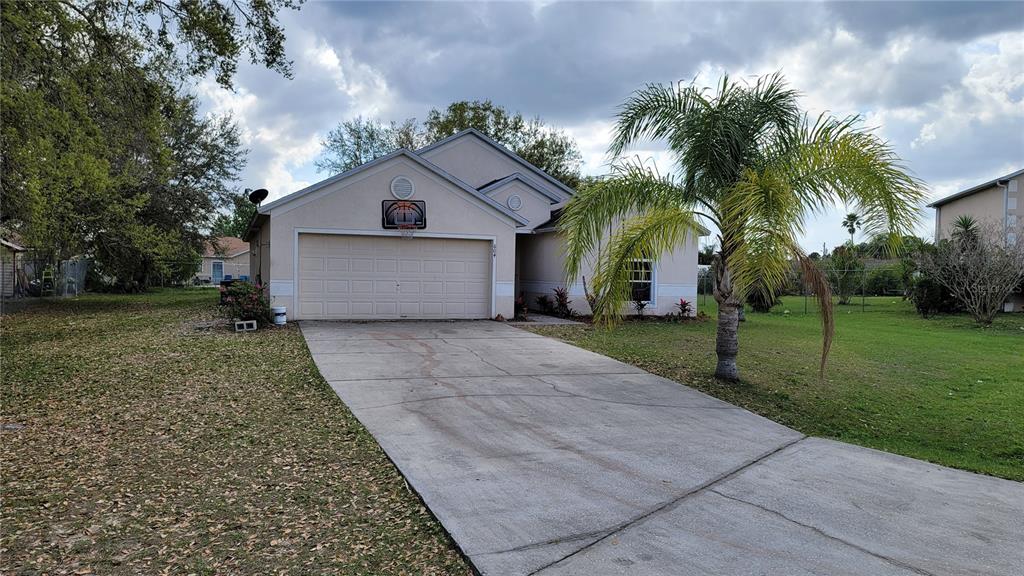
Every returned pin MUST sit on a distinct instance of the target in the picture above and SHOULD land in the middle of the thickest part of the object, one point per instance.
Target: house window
(641, 280)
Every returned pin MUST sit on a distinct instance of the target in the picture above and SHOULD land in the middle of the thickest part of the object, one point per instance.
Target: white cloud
(366, 88)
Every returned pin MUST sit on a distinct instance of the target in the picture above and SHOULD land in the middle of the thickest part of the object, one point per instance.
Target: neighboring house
(999, 201)
(225, 258)
(10, 267)
(482, 225)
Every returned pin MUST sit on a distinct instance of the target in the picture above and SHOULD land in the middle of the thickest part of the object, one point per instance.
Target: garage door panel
(337, 287)
(336, 265)
(337, 309)
(312, 286)
(409, 266)
(312, 309)
(362, 265)
(311, 264)
(410, 287)
(385, 277)
(361, 309)
(385, 287)
(362, 286)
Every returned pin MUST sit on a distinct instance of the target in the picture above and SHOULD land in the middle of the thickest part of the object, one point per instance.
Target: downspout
(1006, 206)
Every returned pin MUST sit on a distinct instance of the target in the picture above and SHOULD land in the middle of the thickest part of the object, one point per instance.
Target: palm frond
(643, 237)
(653, 112)
(764, 218)
(836, 160)
(815, 279)
(589, 216)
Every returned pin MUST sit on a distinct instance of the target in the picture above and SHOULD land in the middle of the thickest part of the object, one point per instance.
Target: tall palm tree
(852, 223)
(749, 164)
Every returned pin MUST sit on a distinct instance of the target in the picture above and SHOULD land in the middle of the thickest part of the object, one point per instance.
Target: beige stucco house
(482, 225)
(999, 201)
(225, 257)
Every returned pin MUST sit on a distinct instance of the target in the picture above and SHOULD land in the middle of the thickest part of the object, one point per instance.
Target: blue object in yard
(243, 278)
(227, 276)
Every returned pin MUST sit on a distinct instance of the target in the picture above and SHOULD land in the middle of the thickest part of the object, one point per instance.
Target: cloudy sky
(942, 81)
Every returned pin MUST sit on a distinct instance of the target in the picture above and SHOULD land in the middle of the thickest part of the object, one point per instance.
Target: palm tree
(965, 228)
(748, 163)
(851, 223)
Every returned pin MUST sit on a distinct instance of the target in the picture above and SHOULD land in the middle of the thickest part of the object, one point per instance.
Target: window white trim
(653, 302)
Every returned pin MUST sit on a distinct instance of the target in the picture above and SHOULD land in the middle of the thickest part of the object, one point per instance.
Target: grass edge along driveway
(138, 441)
(940, 389)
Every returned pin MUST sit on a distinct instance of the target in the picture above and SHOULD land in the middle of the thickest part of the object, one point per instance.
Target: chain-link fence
(851, 287)
(43, 277)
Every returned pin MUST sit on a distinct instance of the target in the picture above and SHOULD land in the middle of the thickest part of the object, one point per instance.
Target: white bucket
(280, 315)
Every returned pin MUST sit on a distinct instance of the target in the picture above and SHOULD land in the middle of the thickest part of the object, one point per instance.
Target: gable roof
(974, 189)
(515, 157)
(401, 152)
(225, 246)
(494, 185)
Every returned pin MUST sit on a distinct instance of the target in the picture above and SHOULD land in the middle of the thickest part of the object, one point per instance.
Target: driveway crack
(644, 404)
(478, 356)
(467, 395)
(821, 532)
(672, 503)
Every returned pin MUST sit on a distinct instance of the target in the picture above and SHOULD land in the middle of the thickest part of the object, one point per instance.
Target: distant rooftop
(974, 189)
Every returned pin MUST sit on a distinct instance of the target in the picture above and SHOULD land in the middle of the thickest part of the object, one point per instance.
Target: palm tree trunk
(727, 344)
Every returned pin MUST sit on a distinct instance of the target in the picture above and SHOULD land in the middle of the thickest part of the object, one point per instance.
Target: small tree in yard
(980, 268)
(845, 272)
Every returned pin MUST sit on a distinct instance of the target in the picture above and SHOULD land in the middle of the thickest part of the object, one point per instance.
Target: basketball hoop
(407, 231)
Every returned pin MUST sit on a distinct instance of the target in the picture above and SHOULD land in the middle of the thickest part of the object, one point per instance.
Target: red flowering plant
(685, 308)
(247, 301)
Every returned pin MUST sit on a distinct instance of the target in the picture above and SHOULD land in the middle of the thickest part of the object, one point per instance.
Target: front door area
(217, 272)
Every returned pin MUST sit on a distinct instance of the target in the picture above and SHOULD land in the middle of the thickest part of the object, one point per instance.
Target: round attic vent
(401, 188)
(515, 202)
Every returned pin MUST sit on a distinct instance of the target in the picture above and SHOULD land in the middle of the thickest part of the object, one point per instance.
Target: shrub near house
(247, 301)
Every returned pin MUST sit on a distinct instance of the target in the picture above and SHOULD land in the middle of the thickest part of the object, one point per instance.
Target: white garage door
(386, 277)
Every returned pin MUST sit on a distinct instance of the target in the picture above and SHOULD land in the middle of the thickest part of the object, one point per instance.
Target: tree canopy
(354, 142)
(103, 153)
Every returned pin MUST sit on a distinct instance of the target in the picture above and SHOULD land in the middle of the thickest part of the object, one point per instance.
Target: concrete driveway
(542, 458)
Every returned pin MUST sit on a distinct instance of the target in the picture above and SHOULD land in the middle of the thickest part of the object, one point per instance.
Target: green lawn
(942, 389)
(135, 443)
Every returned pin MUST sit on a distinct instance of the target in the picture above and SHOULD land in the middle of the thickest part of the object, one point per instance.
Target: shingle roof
(226, 246)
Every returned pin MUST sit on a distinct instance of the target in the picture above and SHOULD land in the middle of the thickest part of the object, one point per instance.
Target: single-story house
(10, 268)
(999, 201)
(225, 258)
(457, 229)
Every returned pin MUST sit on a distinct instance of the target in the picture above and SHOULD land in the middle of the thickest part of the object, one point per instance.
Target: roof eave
(494, 186)
(973, 189)
(414, 157)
